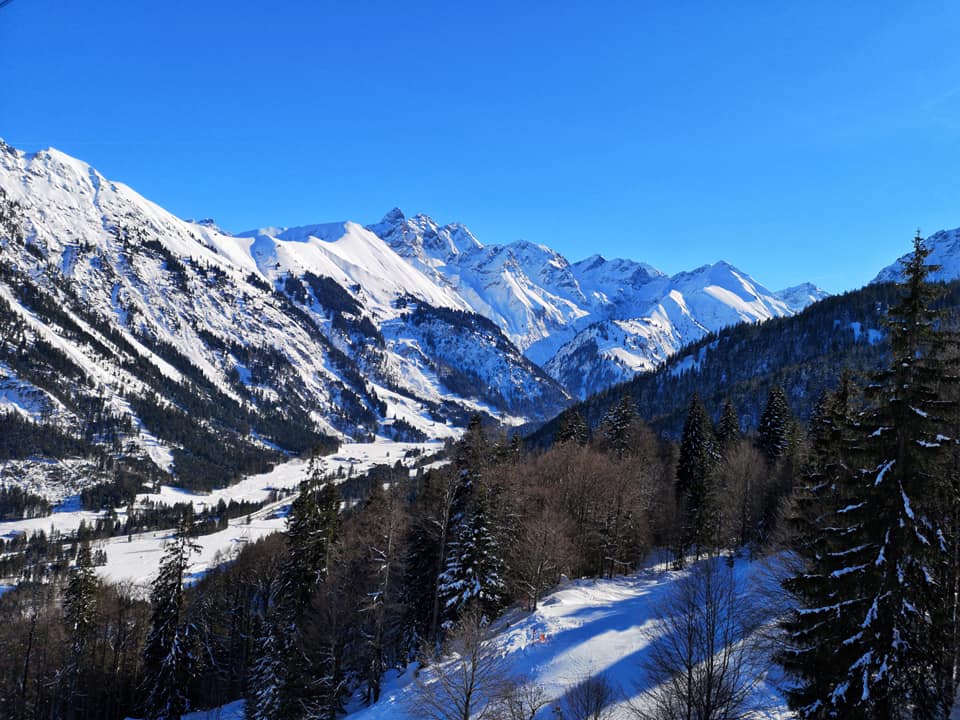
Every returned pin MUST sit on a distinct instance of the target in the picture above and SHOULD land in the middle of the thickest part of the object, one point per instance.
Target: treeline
(805, 354)
(16, 503)
(299, 622)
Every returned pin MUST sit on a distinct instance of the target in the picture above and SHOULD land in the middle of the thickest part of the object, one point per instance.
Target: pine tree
(891, 645)
(616, 426)
(728, 428)
(80, 615)
(774, 425)
(382, 531)
(474, 570)
(822, 519)
(167, 654)
(573, 428)
(283, 682)
(695, 487)
(268, 690)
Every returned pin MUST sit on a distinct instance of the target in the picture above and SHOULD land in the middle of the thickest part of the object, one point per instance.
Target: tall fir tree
(728, 427)
(282, 682)
(774, 427)
(695, 487)
(573, 428)
(616, 426)
(80, 617)
(821, 519)
(474, 571)
(892, 653)
(168, 660)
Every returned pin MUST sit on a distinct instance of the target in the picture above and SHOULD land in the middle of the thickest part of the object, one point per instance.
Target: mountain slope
(805, 353)
(944, 249)
(594, 322)
(188, 351)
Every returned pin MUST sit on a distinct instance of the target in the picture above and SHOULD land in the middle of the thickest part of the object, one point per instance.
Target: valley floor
(136, 558)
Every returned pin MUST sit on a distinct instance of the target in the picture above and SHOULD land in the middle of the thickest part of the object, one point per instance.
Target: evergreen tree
(891, 647)
(167, 654)
(80, 615)
(822, 519)
(774, 426)
(616, 426)
(381, 535)
(474, 570)
(573, 428)
(695, 487)
(312, 526)
(285, 681)
(728, 428)
(426, 551)
(268, 689)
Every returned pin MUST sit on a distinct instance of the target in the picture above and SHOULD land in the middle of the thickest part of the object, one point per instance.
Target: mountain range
(125, 324)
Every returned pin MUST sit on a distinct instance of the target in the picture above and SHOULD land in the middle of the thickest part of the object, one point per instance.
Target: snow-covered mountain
(592, 323)
(944, 247)
(122, 326)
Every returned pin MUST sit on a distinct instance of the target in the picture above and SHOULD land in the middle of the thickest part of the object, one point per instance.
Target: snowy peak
(589, 323)
(944, 249)
(423, 240)
(275, 336)
(354, 257)
(800, 296)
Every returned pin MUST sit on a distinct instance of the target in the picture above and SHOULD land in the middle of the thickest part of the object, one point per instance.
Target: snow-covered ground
(135, 559)
(585, 628)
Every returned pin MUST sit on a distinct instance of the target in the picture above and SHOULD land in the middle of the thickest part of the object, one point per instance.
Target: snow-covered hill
(585, 629)
(944, 247)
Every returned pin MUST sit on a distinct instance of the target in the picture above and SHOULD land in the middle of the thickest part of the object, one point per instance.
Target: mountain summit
(594, 322)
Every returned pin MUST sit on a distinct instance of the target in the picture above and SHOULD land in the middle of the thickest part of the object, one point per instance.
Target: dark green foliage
(821, 517)
(616, 426)
(573, 428)
(16, 503)
(890, 605)
(169, 660)
(696, 490)
(728, 427)
(774, 425)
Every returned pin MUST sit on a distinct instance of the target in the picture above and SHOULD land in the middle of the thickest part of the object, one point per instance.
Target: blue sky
(799, 141)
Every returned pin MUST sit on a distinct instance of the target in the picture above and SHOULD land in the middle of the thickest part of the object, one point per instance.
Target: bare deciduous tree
(520, 701)
(590, 699)
(465, 680)
(704, 659)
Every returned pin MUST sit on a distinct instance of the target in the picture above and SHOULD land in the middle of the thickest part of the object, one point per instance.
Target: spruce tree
(695, 488)
(80, 615)
(168, 660)
(822, 518)
(728, 427)
(774, 425)
(573, 428)
(889, 654)
(282, 683)
(616, 426)
(474, 572)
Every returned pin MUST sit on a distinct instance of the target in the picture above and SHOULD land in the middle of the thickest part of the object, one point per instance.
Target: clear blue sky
(796, 140)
